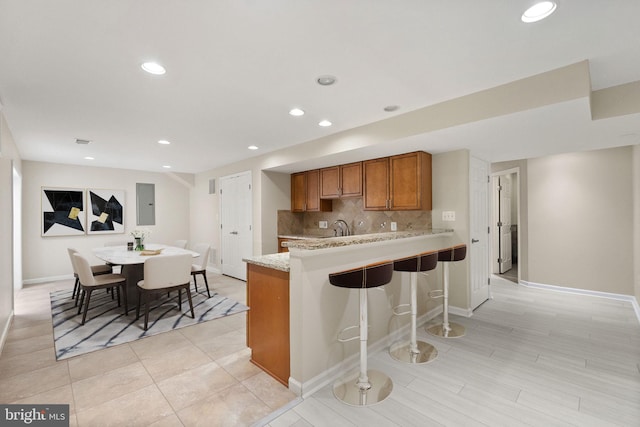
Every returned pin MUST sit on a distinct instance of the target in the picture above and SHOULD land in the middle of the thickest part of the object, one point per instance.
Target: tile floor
(195, 376)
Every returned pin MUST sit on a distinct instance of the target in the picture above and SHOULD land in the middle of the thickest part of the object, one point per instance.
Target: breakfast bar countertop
(280, 261)
(358, 239)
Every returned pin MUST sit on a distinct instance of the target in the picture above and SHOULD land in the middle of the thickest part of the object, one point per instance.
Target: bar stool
(415, 351)
(369, 386)
(447, 329)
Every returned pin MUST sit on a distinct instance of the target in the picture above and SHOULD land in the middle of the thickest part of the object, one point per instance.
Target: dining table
(132, 262)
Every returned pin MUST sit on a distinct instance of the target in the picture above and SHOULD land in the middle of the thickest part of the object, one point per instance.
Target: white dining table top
(120, 255)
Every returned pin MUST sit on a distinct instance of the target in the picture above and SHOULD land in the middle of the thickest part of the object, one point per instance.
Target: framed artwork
(106, 211)
(63, 212)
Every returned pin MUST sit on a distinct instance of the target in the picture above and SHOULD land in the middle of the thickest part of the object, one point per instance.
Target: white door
(235, 226)
(504, 223)
(479, 248)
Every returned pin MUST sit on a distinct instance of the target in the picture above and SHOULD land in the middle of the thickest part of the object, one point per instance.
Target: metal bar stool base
(348, 391)
(402, 353)
(438, 330)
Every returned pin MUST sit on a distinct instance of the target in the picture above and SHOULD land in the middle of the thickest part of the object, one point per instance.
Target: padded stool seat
(368, 386)
(448, 329)
(415, 351)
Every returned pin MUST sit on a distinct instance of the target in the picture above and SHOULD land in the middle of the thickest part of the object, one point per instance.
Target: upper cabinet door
(298, 192)
(341, 181)
(376, 184)
(330, 182)
(410, 181)
(351, 180)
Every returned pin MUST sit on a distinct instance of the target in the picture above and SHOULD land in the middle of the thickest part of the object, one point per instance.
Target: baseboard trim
(598, 294)
(464, 312)
(5, 331)
(307, 388)
(46, 279)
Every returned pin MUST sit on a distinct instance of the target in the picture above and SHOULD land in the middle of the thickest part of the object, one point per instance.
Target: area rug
(106, 324)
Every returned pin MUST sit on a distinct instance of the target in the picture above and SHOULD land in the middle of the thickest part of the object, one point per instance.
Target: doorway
(236, 232)
(505, 222)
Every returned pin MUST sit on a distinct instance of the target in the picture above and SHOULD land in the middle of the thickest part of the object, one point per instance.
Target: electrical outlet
(394, 226)
(323, 224)
(448, 215)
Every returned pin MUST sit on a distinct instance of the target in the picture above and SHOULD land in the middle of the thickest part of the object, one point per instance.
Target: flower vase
(139, 244)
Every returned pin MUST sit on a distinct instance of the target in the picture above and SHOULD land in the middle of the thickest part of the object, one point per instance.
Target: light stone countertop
(333, 242)
(280, 261)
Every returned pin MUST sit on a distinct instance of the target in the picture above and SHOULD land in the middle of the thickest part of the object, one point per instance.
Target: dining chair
(182, 244)
(96, 270)
(164, 274)
(201, 265)
(89, 282)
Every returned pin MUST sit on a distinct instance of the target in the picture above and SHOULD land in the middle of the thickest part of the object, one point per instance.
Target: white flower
(140, 233)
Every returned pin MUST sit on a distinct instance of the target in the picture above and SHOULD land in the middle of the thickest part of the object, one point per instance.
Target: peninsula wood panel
(268, 320)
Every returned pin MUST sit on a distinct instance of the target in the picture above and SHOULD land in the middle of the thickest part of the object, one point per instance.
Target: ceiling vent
(82, 141)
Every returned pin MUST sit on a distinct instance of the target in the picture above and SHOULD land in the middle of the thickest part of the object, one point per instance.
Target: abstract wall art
(106, 211)
(63, 212)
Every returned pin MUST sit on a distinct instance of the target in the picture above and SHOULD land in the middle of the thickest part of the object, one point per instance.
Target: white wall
(580, 220)
(9, 158)
(45, 258)
(636, 219)
(450, 188)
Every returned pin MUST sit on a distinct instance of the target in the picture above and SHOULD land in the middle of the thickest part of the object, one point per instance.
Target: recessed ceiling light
(326, 80)
(164, 142)
(153, 68)
(325, 123)
(252, 147)
(538, 11)
(89, 158)
(166, 166)
(296, 112)
(390, 108)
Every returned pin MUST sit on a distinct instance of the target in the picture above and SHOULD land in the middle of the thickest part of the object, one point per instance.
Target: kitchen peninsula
(294, 289)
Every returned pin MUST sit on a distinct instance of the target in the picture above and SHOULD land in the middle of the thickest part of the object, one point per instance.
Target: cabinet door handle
(474, 240)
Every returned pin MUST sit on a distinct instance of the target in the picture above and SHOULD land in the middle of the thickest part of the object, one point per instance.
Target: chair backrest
(182, 244)
(72, 251)
(167, 271)
(203, 249)
(83, 269)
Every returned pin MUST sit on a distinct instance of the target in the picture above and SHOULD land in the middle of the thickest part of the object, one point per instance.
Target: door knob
(233, 232)
(474, 240)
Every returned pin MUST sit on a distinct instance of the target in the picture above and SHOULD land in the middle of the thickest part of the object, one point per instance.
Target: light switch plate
(394, 226)
(448, 215)
(322, 224)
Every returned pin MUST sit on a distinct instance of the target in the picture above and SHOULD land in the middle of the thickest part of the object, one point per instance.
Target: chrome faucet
(344, 228)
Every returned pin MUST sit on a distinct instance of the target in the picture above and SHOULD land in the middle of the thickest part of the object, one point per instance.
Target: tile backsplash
(359, 220)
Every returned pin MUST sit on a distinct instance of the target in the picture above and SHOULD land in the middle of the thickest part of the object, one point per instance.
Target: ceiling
(70, 69)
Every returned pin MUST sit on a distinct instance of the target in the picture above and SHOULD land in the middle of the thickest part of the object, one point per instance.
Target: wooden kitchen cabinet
(305, 193)
(268, 320)
(401, 182)
(410, 181)
(341, 181)
(376, 184)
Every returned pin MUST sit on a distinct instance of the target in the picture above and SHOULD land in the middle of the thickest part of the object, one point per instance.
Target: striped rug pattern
(107, 325)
